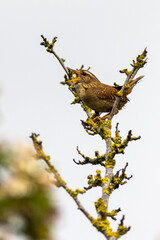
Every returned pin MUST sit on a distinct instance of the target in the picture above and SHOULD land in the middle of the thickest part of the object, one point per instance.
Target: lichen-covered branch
(40, 154)
(139, 63)
(69, 74)
(95, 125)
(49, 48)
(101, 223)
(99, 159)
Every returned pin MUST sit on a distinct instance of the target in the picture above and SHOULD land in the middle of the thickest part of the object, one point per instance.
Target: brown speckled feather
(108, 92)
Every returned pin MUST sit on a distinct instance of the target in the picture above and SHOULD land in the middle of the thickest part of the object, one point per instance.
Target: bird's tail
(135, 81)
(132, 84)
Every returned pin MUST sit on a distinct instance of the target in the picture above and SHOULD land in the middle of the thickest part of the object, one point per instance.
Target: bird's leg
(105, 116)
(95, 115)
(108, 114)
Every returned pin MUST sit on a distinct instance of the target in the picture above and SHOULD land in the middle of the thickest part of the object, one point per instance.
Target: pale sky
(107, 36)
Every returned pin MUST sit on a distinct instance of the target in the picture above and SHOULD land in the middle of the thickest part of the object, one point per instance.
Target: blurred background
(107, 36)
(26, 196)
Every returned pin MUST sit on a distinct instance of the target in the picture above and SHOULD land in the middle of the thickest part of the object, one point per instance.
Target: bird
(98, 96)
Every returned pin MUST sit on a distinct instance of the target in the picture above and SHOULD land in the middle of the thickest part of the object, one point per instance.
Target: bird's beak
(77, 76)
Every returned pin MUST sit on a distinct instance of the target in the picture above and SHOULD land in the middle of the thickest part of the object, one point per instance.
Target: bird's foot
(105, 116)
(96, 119)
(108, 114)
(95, 115)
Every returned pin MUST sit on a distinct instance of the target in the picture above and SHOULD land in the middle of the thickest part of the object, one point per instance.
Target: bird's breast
(80, 90)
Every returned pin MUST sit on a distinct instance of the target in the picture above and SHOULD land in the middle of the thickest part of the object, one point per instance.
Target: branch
(40, 154)
(114, 146)
(50, 48)
(141, 61)
(101, 222)
(87, 160)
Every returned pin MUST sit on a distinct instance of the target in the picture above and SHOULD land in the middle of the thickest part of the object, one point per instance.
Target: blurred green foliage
(26, 196)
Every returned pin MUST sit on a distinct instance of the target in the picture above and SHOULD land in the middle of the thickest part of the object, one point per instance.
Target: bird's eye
(84, 73)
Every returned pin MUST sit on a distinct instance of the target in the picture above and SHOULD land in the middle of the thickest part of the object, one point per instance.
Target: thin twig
(128, 79)
(61, 62)
(59, 181)
(50, 48)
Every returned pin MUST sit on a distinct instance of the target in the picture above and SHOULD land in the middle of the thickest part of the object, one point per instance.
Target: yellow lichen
(109, 189)
(74, 193)
(101, 207)
(119, 94)
(105, 180)
(126, 71)
(103, 225)
(110, 162)
(127, 85)
(105, 133)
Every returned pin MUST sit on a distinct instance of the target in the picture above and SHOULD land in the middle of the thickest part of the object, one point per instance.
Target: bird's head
(84, 77)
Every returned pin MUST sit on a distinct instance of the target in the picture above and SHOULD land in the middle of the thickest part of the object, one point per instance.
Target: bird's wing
(109, 93)
(106, 92)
